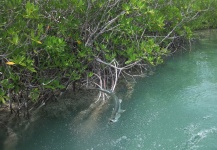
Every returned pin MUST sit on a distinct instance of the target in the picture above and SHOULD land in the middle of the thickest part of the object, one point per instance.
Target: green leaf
(128, 62)
(2, 100)
(31, 69)
(90, 74)
(3, 96)
(6, 84)
(31, 11)
(15, 39)
(126, 7)
(61, 86)
(34, 94)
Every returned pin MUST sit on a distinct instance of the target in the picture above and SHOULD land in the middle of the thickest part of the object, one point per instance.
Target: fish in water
(117, 115)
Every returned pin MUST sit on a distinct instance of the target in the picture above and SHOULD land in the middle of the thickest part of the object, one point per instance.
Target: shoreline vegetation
(52, 52)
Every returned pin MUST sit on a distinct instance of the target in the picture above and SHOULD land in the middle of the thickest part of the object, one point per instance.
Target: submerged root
(86, 121)
(11, 141)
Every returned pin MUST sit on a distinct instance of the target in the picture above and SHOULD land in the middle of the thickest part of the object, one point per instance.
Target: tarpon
(117, 115)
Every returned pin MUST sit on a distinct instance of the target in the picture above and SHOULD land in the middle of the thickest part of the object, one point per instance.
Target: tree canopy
(48, 45)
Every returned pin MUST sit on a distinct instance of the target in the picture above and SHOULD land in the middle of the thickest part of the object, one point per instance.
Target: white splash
(196, 138)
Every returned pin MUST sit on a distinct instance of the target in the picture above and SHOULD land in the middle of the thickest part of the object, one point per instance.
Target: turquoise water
(176, 108)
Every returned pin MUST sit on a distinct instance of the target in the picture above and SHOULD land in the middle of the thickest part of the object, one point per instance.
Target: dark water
(176, 108)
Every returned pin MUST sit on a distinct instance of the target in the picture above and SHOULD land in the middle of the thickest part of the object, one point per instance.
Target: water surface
(176, 108)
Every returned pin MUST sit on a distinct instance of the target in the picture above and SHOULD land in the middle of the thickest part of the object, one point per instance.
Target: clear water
(176, 108)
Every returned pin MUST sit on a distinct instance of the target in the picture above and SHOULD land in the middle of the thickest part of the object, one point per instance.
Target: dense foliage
(48, 45)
